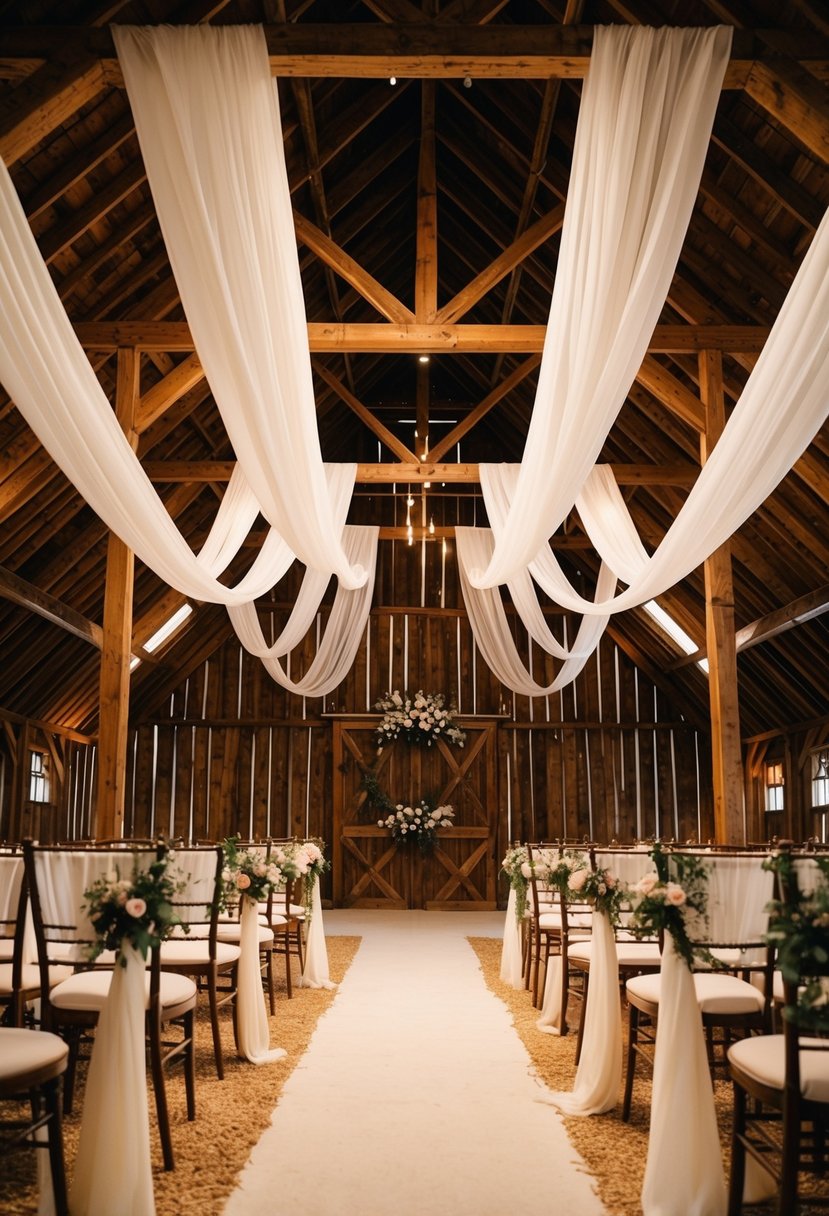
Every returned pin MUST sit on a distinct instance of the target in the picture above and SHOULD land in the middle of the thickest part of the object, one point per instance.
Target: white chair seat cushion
(278, 921)
(184, 953)
(24, 1051)
(6, 947)
(763, 1057)
(232, 932)
(549, 920)
(716, 994)
(88, 990)
(30, 977)
(629, 954)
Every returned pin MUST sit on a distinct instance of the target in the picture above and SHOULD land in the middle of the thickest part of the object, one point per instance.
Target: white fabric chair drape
(315, 973)
(599, 1074)
(684, 1172)
(342, 634)
(549, 1020)
(643, 130)
(116, 1176)
(512, 961)
(206, 112)
(252, 1031)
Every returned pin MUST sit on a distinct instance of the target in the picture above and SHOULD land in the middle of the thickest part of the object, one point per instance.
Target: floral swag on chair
(419, 719)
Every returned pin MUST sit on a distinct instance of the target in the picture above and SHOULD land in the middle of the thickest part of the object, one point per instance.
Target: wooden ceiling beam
(426, 238)
(505, 385)
(47, 98)
(804, 608)
(16, 589)
(387, 338)
(365, 415)
(504, 264)
(368, 287)
(795, 98)
(414, 471)
(416, 49)
(158, 399)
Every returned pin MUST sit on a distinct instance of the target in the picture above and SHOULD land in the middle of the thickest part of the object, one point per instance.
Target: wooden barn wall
(800, 819)
(607, 758)
(67, 811)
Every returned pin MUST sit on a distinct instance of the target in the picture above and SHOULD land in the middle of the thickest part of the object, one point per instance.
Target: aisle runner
(415, 1097)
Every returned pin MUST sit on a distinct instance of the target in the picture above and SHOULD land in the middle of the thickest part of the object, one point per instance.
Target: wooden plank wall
(231, 751)
(606, 758)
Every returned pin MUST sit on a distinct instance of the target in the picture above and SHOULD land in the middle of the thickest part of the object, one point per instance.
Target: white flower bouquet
(419, 719)
(419, 824)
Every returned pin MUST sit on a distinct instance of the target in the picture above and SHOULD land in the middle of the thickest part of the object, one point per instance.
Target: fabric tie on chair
(315, 972)
(112, 1170)
(512, 963)
(550, 1020)
(684, 1172)
(599, 1074)
(251, 1015)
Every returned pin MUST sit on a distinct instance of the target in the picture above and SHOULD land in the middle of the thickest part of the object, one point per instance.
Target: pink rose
(135, 907)
(577, 880)
(647, 883)
(242, 882)
(610, 879)
(674, 894)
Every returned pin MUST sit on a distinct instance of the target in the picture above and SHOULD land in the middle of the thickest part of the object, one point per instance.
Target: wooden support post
(726, 754)
(426, 278)
(115, 652)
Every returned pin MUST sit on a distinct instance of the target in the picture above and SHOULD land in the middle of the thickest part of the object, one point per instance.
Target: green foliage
(671, 897)
(249, 874)
(601, 888)
(799, 930)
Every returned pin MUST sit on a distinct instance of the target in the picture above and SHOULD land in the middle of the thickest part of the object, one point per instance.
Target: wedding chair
(285, 915)
(194, 950)
(739, 891)
(32, 1064)
(19, 974)
(58, 876)
(557, 924)
(634, 955)
(229, 929)
(785, 1124)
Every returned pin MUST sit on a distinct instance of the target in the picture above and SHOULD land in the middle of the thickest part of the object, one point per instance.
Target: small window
(820, 777)
(775, 791)
(38, 777)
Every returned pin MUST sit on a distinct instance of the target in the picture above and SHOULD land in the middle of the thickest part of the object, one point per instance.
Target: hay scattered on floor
(614, 1152)
(230, 1114)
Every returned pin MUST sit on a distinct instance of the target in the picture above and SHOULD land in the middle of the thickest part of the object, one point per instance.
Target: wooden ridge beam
(385, 338)
(367, 474)
(419, 50)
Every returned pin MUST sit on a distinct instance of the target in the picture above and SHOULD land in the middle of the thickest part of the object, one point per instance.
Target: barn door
(368, 871)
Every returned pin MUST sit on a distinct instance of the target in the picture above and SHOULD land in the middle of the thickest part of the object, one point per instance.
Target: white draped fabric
(315, 973)
(491, 627)
(512, 962)
(782, 407)
(44, 369)
(549, 1020)
(643, 131)
(342, 633)
(206, 112)
(599, 1073)
(252, 1031)
(684, 1171)
(112, 1169)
